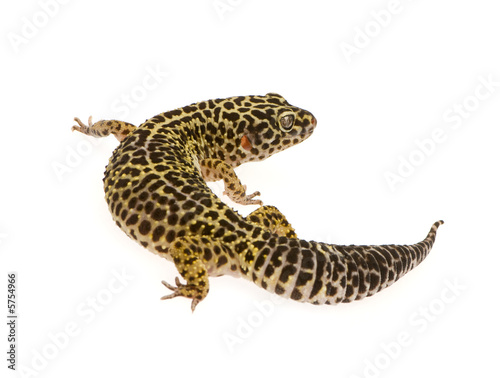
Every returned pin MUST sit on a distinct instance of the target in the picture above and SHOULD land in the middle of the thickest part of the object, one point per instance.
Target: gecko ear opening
(245, 143)
(286, 121)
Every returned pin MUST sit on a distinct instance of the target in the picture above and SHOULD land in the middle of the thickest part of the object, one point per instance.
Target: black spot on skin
(279, 290)
(132, 220)
(149, 207)
(158, 214)
(188, 205)
(231, 116)
(132, 233)
(208, 229)
(212, 215)
(132, 203)
(228, 226)
(189, 109)
(170, 236)
(316, 288)
(161, 249)
(240, 247)
(332, 290)
(219, 233)
(276, 259)
(172, 219)
(189, 216)
(126, 194)
(232, 216)
(269, 271)
(121, 183)
(163, 201)
(307, 259)
(158, 119)
(303, 278)
(239, 100)
(259, 114)
(221, 261)
(259, 262)
(195, 227)
(124, 160)
(287, 271)
(230, 238)
(140, 161)
(158, 233)
(144, 227)
(296, 295)
(229, 105)
(207, 254)
(173, 113)
(293, 256)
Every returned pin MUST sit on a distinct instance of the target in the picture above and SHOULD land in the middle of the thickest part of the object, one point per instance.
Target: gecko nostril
(313, 121)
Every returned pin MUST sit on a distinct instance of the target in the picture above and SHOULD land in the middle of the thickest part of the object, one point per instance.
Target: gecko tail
(396, 261)
(431, 236)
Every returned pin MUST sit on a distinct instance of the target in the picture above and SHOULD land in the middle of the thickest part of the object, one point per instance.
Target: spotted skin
(155, 188)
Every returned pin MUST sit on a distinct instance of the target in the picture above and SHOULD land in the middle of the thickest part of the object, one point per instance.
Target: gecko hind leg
(270, 218)
(103, 128)
(196, 257)
(186, 253)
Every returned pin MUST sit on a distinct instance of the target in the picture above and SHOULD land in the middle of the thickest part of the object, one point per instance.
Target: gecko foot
(188, 291)
(83, 128)
(243, 198)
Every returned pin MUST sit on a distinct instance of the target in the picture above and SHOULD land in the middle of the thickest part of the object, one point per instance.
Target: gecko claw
(181, 290)
(175, 289)
(194, 303)
(83, 128)
(244, 199)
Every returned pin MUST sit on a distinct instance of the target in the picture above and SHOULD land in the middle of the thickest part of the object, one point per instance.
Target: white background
(378, 75)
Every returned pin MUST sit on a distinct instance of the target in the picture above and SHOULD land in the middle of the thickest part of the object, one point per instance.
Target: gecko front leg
(103, 128)
(215, 169)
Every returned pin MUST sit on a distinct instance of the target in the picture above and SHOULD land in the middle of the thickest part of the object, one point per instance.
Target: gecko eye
(286, 122)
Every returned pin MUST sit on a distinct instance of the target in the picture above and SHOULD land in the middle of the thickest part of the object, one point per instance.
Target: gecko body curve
(155, 187)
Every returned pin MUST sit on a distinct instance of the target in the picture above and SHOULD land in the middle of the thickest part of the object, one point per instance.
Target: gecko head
(269, 124)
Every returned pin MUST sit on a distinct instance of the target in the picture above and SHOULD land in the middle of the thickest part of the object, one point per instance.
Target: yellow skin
(155, 188)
